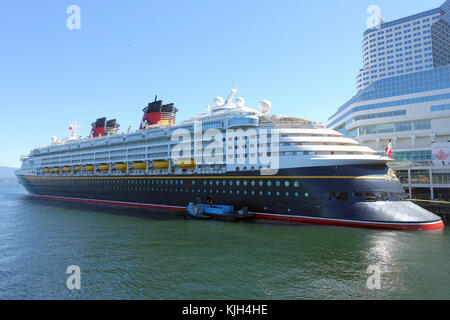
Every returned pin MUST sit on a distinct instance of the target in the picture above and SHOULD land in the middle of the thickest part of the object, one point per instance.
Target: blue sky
(303, 56)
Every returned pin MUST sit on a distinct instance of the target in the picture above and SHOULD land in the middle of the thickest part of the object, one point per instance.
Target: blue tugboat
(218, 212)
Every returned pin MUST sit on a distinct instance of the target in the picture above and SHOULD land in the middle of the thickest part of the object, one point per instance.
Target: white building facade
(403, 95)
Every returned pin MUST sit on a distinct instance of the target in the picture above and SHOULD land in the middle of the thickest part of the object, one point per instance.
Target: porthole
(296, 183)
(253, 182)
(306, 194)
(245, 182)
(231, 182)
(277, 183)
(261, 183)
(286, 183)
(278, 193)
(269, 183)
(286, 194)
(238, 183)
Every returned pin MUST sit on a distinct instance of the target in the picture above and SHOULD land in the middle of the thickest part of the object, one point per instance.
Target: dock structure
(438, 207)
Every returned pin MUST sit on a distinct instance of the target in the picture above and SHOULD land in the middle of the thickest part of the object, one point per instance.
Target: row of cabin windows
(209, 191)
(260, 183)
(367, 196)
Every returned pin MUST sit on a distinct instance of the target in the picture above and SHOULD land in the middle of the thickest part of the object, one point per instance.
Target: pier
(438, 207)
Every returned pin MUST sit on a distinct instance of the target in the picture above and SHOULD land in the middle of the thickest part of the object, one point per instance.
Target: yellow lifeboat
(47, 170)
(67, 169)
(89, 167)
(77, 168)
(56, 169)
(120, 166)
(160, 164)
(139, 165)
(103, 167)
(186, 163)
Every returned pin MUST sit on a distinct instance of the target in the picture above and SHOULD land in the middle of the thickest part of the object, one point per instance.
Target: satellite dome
(218, 101)
(239, 101)
(265, 106)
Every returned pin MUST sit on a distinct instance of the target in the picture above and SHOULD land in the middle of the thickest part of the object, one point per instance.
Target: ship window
(253, 192)
(261, 183)
(277, 183)
(245, 182)
(278, 193)
(217, 182)
(296, 183)
(286, 183)
(193, 181)
(231, 191)
(296, 194)
(245, 191)
(357, 194)
(237, 191)
(306, 194)
(238, 182)
(224, 183)
(260, 193)
(204, 183)
(342, 196)
(286, 194)
(269, 193)
(211, 182)
(231, 182)
(253, 183)
(369, 196)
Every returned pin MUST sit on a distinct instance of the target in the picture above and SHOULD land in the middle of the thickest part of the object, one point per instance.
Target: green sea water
(140, 254)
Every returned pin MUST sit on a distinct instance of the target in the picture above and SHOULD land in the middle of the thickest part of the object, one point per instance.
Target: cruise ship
(278, 167)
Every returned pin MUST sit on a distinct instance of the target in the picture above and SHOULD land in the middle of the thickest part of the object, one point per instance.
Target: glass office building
(403, 95)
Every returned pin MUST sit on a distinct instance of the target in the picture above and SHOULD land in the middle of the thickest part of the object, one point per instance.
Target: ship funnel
(98, 128)
(158, 113)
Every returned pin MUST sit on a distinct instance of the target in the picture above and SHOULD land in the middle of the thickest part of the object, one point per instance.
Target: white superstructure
(236, 137)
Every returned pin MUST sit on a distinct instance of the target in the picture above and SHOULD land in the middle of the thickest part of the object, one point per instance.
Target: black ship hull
(348, 195)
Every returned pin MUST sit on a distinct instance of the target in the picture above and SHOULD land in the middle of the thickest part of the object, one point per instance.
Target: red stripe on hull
(357, 224)
(117, 203)
(291, 219)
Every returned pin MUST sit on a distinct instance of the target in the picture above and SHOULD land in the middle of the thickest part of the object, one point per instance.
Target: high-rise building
(403, 96)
